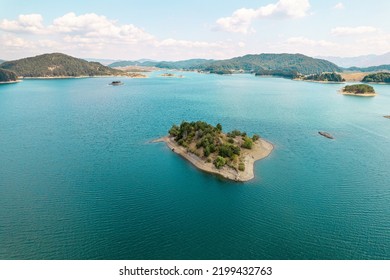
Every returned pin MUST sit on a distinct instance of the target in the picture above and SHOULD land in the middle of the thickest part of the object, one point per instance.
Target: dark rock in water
(387, 117)
(116, 83)
(326, 134)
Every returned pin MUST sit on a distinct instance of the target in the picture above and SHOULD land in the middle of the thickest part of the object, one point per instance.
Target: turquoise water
(80, 180)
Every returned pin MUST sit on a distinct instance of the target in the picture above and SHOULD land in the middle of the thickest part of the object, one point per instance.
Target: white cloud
(241, 19)
(309, 42)
(92, 34)
(187, 44)
(95, 26)
(339, 6)
(32, 23)
(14, 42)
(342, 31)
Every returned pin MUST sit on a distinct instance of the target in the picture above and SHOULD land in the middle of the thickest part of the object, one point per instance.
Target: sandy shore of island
(261, 149)
(357, 94)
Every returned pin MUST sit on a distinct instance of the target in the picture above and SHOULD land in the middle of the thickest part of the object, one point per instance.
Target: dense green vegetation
(325, 77)
(289, 74)
(7, 76)
(256, 63)
(284, 65)
(384, 67)
(55, 65)
(359, 89)
(183, 64)
(211, 144)
(382, 77)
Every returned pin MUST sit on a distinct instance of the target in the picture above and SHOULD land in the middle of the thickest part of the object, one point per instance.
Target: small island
(170, 75)
(231, 155)
(358, 90)
(387, 117)
(136, 75)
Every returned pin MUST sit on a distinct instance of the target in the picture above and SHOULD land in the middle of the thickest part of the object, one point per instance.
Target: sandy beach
(261, 149)
(354, 94)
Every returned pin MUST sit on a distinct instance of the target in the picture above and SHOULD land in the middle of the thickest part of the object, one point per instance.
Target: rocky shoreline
(261, 149)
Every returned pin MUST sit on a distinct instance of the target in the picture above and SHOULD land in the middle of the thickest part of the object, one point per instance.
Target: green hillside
(359, 89)
(262, 64)
(7, 76)
(385, 67)
(182, 64)
(382, 77)
(56, 65)
(280, 62)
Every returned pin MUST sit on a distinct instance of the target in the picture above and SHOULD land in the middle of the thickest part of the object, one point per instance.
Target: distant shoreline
(357, 94)
(319, 82)
(84, 77)
(261, 149)
(11, 82)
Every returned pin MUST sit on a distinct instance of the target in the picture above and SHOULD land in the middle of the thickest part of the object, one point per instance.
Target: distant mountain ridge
(181, 64)
(379, 68)
(57, 65)
(103, 61)
(249, 63)
(359, 61)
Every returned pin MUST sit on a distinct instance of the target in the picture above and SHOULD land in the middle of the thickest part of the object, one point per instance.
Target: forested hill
(381, 77)
(256, 62)
(56, 65)
(182, 64)
(1, 61)
(7, 76)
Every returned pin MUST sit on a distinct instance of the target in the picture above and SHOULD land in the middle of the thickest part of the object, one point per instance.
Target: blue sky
(175, 30)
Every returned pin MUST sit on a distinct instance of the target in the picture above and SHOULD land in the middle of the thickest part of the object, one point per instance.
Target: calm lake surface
(80, 180)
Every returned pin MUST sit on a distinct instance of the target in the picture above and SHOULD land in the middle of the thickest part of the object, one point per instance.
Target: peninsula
(7, 77)
(358, 90)
(231, 155)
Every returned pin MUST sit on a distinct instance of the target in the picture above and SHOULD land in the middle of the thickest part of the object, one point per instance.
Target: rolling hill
(385, 67)
(248, 63)
(57, 65)
(257, 62)
(182, 64)
(7, 76)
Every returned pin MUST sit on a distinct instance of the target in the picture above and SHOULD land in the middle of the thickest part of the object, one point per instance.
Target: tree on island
(381, 77)
(359, 89)
(211, 144)
(325, 77)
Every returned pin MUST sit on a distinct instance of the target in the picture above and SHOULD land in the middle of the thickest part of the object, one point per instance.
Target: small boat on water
(116, 83)
(325, 134)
